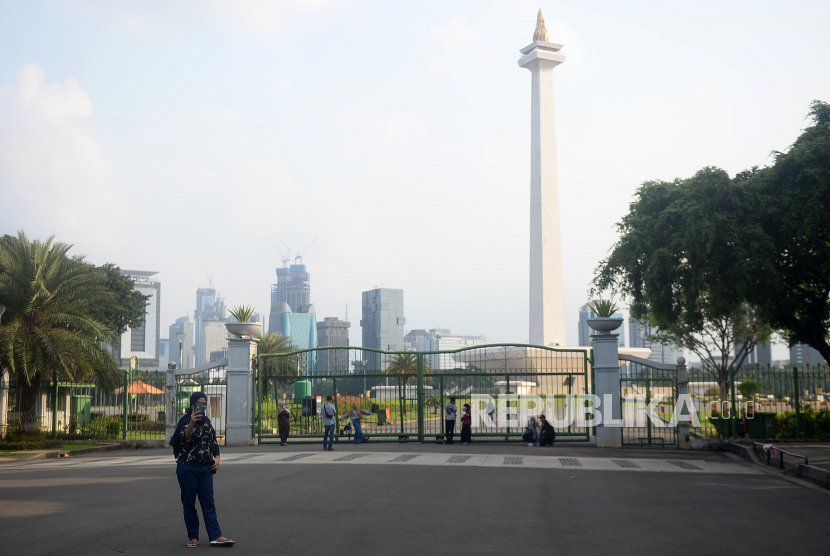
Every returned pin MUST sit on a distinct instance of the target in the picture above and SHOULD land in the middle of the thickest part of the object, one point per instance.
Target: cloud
(52, 172)
(457, 34)
(52, 103)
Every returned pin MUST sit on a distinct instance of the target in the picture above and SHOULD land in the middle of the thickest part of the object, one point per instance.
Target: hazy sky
(189, 137)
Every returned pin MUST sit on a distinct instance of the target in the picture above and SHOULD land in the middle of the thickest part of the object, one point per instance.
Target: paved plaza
(416, 499)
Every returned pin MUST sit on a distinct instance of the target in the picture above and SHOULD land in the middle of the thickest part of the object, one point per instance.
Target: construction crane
(285, 257)
(300, 255)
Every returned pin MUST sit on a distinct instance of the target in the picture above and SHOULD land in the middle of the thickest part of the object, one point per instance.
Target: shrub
(815, 425)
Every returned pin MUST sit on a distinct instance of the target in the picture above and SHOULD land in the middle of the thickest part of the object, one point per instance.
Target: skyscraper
(183, 324)
(805, 355)
(660, 353)
(382, 324)
(293, 287)
(585, 313)
(209, 314)
(142, 341)
(333, 332)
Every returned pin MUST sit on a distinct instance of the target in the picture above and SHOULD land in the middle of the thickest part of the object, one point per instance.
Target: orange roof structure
(139, 387)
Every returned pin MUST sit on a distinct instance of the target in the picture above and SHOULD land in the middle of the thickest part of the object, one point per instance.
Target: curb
(816, 475)
(53, 454)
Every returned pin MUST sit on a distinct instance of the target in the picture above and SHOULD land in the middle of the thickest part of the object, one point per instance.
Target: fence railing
(763, 402)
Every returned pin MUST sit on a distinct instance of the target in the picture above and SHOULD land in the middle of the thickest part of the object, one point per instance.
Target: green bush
(815, 425)
(44, 445)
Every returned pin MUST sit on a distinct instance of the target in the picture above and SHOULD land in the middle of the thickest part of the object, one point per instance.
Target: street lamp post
(180, 336)
(364, 376)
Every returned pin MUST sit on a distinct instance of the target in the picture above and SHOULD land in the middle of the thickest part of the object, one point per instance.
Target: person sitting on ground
(546, 433)
(531, 432)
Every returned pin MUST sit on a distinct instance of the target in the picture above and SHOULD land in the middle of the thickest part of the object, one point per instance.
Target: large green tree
(789, 282)
(669, 262)
(282, 370)
(405, 366)
(55, 324)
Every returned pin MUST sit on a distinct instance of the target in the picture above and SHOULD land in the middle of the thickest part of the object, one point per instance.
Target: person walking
(329, 413)
(450, 411)
(355, 414)
(284, 423)
(546, 432)
(467, 425)
(197, 459)
(491, 409)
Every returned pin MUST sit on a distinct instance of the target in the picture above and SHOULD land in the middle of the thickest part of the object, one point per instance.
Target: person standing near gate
(467, 425)
(450, 411)
(284, 423)
(197, 459)
(329, 414)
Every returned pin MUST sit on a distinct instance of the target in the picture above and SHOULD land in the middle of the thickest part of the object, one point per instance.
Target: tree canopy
(718, 263)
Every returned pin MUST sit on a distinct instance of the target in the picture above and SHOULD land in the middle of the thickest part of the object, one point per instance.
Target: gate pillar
(683, 428)
(171, 416)
(239, 429)
(607, 376)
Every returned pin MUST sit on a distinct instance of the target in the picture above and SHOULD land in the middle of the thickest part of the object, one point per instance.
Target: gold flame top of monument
(541, 33)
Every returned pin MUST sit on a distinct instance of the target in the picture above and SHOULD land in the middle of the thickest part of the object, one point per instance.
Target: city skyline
(99, 139)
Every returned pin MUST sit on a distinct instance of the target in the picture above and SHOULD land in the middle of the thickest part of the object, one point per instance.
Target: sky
(191, 137)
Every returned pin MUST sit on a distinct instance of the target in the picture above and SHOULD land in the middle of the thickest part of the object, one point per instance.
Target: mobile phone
(198, 410)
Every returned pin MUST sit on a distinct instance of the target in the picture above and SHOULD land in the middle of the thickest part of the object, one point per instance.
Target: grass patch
(14, 454)
(77, 446)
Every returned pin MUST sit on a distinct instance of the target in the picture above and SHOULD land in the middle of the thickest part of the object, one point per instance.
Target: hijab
(185, 419)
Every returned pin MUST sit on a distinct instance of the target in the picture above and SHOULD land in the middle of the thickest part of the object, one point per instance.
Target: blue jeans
(328, 434)
(358, 432)
(196, 479)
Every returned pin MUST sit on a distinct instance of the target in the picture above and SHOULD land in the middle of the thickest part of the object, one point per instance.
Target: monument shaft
(547, 292)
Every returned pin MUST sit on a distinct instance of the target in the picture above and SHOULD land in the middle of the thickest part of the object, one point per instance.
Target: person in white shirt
(532, 431)
(329, 413)
(491, 409)
(450, 411)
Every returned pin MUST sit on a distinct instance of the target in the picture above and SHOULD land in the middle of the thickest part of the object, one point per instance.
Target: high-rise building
(412, 339)
(805, 355)
(300, 327)
(333, 332)
(183, 324)
(164, 353)
(442, 339)
(639, 337)
(143, 341)
(293, 287)
(761, 354)
(585, 313)
(382, 324)
(210, 308)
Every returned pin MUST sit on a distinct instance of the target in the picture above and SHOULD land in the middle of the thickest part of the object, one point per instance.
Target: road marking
(547, 463)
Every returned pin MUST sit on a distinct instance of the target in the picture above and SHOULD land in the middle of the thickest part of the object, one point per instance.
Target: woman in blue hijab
(197, 459)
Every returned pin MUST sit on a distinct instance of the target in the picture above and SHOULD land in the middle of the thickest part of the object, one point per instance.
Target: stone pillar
(684, 443)
(240, 393)
(607, 377)
(171, 416)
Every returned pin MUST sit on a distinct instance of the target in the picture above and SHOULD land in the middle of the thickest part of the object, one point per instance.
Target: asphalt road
(318, 509)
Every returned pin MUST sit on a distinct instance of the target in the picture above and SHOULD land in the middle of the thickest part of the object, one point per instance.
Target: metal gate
(212, 379)
(406, 391)
(641, 381)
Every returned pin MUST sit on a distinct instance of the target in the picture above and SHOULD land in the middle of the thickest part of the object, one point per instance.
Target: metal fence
(647, 387)
(407, 391)
(214, 383)
(763, 402)
(85, 411)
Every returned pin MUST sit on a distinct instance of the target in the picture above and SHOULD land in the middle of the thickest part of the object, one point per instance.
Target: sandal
(222, 541)
(192, 543)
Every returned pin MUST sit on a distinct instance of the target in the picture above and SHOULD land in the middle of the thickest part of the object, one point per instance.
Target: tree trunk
(28, 404)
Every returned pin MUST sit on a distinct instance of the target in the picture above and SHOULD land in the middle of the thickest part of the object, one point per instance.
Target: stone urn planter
(243, 329)
(605, 325)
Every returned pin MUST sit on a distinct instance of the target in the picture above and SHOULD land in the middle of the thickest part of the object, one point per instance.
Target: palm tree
(277, 368)
(53, 326)
(405, 365)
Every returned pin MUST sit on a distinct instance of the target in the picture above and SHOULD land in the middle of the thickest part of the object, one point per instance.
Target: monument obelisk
(547, 295)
